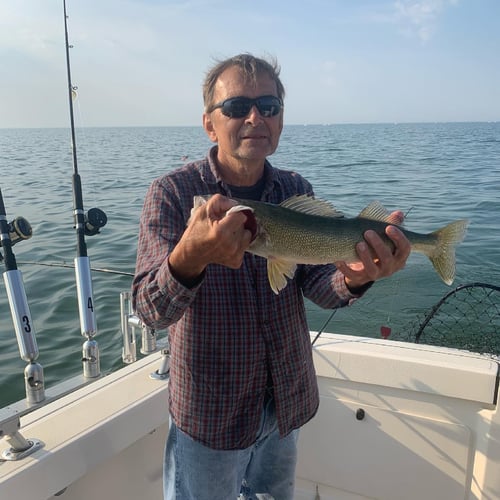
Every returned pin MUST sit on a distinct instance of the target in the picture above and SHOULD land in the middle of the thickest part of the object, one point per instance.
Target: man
(242, 381)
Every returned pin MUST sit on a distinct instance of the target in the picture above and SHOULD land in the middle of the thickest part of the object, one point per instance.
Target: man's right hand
(211, 237)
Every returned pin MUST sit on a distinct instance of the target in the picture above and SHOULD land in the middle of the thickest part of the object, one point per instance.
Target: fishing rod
(85, 225)
(11, 233)
(325, 324)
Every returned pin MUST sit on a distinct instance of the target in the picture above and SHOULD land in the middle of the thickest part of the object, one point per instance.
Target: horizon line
(285, 125)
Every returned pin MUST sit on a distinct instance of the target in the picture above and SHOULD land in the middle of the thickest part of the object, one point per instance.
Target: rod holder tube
(18, 442)
(91, 359)
(21, 315)
(85, 299)
(163, 372)
(148, 337)
(34, 383)
(165, 362)
(20, 447)
(129, 349)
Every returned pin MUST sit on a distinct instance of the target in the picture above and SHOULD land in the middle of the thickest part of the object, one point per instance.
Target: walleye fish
(307, 230)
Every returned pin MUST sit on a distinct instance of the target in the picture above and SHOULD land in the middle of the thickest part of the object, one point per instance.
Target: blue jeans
(265, 470)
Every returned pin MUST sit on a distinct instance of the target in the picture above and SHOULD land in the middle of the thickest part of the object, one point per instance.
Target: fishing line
(71, 266)
(386, 330)
(406, 214)
(87, 165)
(324, 326)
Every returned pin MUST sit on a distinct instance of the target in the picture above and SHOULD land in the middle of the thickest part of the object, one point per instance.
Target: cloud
(420, 17)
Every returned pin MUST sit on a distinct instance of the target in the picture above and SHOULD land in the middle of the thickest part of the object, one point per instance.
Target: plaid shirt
(229, 332)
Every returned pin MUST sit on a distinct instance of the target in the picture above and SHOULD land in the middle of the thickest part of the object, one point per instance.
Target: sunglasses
(239, 107)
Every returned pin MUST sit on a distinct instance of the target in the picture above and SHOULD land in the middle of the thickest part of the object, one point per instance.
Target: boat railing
(10, 416)
(130, 322)
(10, 419)
(36, 395)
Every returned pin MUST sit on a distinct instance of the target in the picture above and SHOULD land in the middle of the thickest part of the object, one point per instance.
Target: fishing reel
(19, 229)
(95, 218)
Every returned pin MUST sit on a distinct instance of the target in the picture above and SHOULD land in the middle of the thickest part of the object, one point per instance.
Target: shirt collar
(212, 176)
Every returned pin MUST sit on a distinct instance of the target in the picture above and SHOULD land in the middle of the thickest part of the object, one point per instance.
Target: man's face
(248, 140)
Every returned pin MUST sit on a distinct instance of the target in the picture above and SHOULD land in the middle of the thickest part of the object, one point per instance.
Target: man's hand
(211, 237)
(376, 259)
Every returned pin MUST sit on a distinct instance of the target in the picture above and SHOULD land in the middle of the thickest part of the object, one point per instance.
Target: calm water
(439, 171)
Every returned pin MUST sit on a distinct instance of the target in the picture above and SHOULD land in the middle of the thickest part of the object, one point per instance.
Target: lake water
(441, 172)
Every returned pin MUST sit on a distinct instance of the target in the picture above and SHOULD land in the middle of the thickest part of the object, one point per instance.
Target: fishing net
(467, 317)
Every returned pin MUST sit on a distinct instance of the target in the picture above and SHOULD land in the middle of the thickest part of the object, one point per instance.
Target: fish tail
(442, 255)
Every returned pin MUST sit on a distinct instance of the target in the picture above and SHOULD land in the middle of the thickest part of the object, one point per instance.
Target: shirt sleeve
(157, 297)
(325, 286)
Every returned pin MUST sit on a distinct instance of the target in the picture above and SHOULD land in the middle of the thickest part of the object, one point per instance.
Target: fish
(308, 230)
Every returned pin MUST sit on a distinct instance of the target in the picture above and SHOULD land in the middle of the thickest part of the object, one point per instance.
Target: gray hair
(251, 68)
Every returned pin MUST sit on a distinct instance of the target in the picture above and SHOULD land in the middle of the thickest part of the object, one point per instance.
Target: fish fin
(308, 204)
(198, 201)
(239, 208)
(442, 255)
(376, 211)
(278, 271)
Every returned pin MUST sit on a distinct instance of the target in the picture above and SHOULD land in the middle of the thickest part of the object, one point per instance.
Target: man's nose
(254, 115)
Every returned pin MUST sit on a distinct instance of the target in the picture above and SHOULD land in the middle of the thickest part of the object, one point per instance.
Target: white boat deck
(396, 421)
(401, 421)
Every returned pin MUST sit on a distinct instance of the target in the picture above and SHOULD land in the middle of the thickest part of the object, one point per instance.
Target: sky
(142, 62)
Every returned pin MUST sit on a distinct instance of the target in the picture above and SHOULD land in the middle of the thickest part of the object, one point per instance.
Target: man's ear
(209, 127)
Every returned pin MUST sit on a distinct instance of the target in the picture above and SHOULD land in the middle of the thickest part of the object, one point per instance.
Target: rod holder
(129, 349)
(26, 338)
(20, 447)
(148, 337)
(34, 383)
(164, 369)
(90, 349)
(21, 315)
(91, 359)
(85, 301)
(129, 323)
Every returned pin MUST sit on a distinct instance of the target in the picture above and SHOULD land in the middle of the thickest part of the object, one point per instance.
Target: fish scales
(305, 230)
(316, 239)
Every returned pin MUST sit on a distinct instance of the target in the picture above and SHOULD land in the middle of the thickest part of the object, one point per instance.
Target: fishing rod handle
(21, 315)
(79, 216)
(85, 299)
